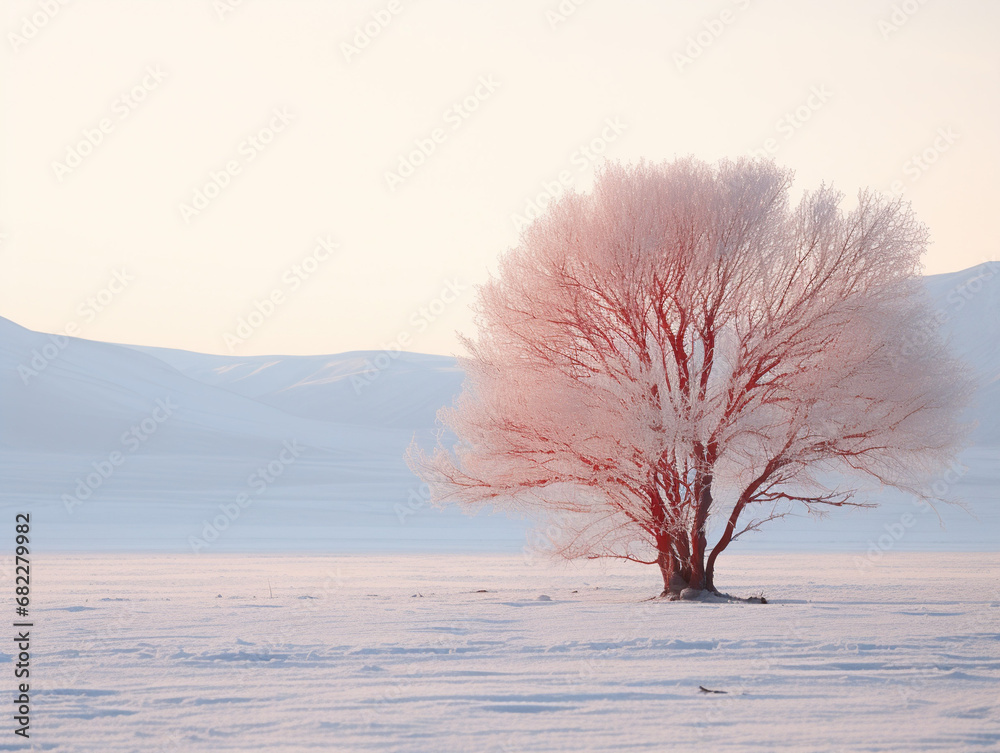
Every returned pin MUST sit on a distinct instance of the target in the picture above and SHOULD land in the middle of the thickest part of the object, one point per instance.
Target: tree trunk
(727, 536)
(716, 551)
(710, 570)
(670, 556)
(673, 579)
(699, 543)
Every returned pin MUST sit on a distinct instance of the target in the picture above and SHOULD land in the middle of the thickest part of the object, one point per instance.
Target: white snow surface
(156, 653)
(351, 417)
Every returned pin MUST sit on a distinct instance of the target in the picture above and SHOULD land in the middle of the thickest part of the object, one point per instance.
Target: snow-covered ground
(446, 653)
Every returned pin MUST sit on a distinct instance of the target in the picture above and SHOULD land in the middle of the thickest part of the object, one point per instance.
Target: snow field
(404, 653)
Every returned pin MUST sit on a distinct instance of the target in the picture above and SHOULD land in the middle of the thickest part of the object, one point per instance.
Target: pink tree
(680, 344)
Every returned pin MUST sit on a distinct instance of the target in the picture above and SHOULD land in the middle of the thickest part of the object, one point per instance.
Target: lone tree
(681, 345)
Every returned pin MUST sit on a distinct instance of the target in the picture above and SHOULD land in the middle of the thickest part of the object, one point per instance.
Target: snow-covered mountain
(392, 390)
(968, 307)
(121, 447)
(127, 447)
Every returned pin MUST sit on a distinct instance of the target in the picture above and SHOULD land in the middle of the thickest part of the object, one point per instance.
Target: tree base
(709, 596)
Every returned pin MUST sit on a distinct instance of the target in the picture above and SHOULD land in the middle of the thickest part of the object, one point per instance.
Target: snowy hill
(968, 304)
(127, 447)
(89, 392)
(111, 446)
(401, 390)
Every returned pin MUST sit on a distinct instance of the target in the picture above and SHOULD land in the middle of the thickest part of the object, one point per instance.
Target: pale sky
(97, 237)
